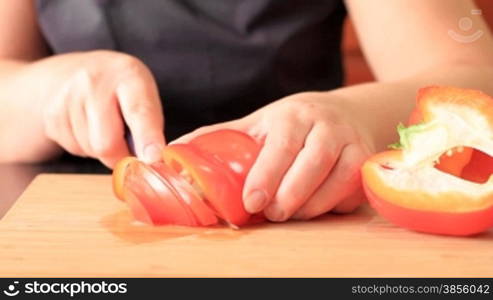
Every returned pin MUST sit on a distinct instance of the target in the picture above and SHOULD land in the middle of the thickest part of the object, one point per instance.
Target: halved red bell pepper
(438, 178)
(197, 184)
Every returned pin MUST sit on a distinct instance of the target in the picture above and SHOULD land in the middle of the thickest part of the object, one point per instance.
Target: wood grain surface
(71, 225)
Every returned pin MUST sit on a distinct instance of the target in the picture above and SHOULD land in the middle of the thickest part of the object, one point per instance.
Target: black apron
(213, 60)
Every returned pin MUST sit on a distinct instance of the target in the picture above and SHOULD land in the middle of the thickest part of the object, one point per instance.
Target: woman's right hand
(90, 98)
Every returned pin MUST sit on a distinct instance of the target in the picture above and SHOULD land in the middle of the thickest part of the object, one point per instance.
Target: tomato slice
(136, 207)
(156, 196)
(221, 188)
(187, 194)
(235, 149)
(119, 176)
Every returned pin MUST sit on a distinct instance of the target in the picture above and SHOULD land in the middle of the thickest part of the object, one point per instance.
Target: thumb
(141, 108)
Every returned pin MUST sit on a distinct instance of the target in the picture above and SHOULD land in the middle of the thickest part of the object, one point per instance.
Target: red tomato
(137, 208)
(196, 184)
(119, 176)
(221, 188)
(235, 149)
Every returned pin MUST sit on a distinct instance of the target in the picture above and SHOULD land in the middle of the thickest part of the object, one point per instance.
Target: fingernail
(152, 153)
(274, 213)
(255, 201)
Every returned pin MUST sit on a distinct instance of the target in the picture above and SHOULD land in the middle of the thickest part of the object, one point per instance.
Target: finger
(349, 204)
(78, 121)
(341, 182)
(106, 129)
(310, 168)
(58, 126)
(141, 108)
(282, 144)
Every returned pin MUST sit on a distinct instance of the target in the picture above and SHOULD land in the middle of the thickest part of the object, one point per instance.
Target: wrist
(359, 118)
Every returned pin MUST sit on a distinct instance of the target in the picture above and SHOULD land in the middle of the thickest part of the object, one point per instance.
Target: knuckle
(117, 60)
(302, 105)
(321, 156)
(127, 64)
(104, 148)
(140, 110)
(287, 107)
(350, 171)
(308, 115)
(80, 83)
(351, 164)
(84, 78)
(290, 104)
(306, 109)
(286, 146)
(348, 131)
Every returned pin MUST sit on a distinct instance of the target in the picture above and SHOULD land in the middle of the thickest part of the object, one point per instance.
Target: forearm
(22, 136)
(378, 107)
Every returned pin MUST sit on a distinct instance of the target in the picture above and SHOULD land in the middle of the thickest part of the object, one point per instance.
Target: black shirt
(213, 60)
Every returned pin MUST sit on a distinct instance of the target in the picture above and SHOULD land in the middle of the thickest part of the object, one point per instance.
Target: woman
(73, 74)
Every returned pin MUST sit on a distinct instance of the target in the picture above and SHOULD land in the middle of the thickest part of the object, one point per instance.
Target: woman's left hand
(310, 160)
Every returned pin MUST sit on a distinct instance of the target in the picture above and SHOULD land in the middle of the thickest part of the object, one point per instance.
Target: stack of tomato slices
(197, 184)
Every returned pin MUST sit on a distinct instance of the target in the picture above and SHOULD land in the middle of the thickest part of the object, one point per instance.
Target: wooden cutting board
(71, 225)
